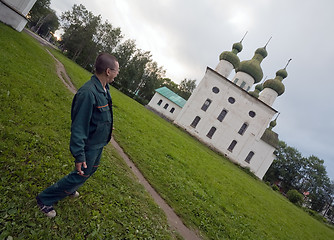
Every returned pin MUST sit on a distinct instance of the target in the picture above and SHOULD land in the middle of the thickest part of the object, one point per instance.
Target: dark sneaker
(47, 210)
(75, 194)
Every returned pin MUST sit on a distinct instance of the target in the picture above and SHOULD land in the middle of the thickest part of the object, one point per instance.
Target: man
(91, 129)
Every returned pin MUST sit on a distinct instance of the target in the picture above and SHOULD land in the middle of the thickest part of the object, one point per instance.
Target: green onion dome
(256, 92)
(282, 73)
(272, 124)
(276, 83)
(252, 67)
(269, 136)
(237, 47)
(259, 87)
(231, 56)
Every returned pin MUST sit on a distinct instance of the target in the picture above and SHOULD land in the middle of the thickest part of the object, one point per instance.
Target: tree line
(308, 175)
(85, 35)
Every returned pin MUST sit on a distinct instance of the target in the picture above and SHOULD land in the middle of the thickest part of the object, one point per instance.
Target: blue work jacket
(92, 118)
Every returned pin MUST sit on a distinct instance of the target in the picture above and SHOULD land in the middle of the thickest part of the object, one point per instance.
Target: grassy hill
(34, 153)
(207, 191)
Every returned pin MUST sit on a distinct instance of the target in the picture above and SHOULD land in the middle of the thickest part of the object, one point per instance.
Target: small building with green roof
(167, 103)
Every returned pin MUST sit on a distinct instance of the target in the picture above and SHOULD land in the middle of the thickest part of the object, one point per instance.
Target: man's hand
(78, 167)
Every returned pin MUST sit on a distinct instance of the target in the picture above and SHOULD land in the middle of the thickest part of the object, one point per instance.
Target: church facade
(229, 118)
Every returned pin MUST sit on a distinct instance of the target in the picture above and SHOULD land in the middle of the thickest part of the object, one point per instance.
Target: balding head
(104, 61)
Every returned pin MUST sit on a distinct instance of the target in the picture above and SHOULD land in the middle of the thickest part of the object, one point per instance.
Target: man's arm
(81, 114)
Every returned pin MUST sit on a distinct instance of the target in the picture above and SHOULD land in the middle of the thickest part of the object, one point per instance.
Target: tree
(316, 182)
(286, 168)
(150, 81)
(167, 82)
(186, 88)
(139, 75)
(107, 37)
(49, 23)
(304, 174)
(329, 210)
(40, 9)
(132, 62)
(42, 19)
(80, 27)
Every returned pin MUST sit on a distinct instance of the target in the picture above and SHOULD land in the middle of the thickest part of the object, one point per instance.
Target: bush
(141, 100)
(275, 188)
(295, 197)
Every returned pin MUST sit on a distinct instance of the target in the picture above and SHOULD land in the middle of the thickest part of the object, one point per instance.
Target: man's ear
(108, 71)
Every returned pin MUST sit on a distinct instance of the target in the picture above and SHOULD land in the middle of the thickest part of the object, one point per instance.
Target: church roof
(232, 57)
(270, 137)
(252, 67)
(172, 96)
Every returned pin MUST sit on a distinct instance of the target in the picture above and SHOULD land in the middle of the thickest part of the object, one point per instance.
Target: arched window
(243, 129)
(206, 105)
(232, 145)
(243, 84)
(249, 157)
(195, 121)
(160, 101)
(222, 115)
(236, 80)
(166, 106)
(172, 110)
(211, 132)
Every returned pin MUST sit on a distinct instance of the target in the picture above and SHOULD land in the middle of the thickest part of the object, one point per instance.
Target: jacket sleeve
(81, 114)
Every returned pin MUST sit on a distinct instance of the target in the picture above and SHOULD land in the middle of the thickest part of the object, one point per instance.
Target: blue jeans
(70, 183)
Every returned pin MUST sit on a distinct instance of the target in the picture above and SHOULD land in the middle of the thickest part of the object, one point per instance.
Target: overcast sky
(186, 36)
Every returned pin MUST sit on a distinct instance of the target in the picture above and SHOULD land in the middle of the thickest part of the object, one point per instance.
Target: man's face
(113, 73)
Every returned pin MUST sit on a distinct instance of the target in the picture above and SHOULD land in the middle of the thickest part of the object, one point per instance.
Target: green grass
(207, 191)
(34, 153)
(77, 74)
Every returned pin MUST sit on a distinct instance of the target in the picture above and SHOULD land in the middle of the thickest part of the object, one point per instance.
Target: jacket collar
(98, 84)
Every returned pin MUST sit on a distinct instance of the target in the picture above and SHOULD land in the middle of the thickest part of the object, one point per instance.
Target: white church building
(14, 12)
(225, 115)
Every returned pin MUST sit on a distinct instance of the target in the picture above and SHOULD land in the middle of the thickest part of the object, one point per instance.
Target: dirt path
(174, 221)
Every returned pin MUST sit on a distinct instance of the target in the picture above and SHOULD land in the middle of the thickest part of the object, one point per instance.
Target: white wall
(245, 78)
(224, 68)
(23, 6)
(262, 159)
(160, 108)
(268, 96)
(12, 18)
